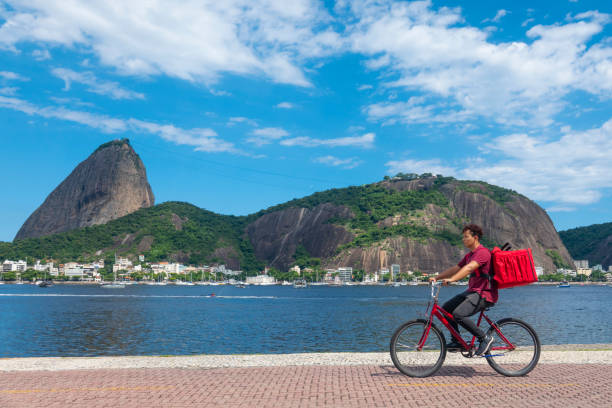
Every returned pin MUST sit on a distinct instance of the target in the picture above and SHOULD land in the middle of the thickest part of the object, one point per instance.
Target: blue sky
(238, 105)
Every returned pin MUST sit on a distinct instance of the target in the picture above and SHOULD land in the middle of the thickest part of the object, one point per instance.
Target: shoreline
(540, 283)
(551, 354)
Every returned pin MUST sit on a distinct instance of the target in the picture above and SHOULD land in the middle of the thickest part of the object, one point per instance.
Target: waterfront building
(14, 266)
(584, 271)
(295, 269)
(581, 264)
(141, 258)
(261, 280)
(395, 271)
(539, 270)
(345, 273)
(72, 269)
(609, 268)
(598, 267)
(122, 264)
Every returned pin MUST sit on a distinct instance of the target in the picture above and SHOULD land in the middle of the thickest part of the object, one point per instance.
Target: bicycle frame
(443, 316)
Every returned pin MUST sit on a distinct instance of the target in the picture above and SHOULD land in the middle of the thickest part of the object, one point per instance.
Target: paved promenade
(579, 376)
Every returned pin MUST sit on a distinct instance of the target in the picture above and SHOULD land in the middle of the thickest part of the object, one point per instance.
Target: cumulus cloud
(435, 54)
(285, 105)
(366, 141)
(12, 76)
(41, 55)
(571, 169)
(348, 164)
(241, 119)
(194, 41)
(201, 139)
(95, 85)
(498, 16)
(260, 137)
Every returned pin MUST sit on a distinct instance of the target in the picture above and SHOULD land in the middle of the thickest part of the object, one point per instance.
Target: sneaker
(484, 345)
(454, 346)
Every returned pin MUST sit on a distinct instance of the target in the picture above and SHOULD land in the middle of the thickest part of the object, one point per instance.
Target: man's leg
(471, 305)
(451, 305)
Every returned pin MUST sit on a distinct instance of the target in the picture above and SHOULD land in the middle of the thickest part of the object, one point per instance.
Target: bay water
(87, 320)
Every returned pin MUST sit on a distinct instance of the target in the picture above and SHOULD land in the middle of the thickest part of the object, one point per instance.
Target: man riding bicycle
(481, 293)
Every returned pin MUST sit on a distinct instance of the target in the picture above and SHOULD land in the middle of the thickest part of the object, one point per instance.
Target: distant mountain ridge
(414, 221)
(593, 242)
(110, 183)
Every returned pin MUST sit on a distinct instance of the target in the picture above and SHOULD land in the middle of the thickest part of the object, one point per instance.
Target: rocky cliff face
(276, 236)
(513, 219)
(109, 184)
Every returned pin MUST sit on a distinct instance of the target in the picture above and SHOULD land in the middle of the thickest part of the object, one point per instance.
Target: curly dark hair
(474, 229)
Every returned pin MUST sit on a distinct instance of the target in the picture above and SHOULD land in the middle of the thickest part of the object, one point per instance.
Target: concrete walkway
(568, 376)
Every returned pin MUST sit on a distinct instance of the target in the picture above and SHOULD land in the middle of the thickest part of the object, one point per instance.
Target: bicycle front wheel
(516, 351)
(407, 356)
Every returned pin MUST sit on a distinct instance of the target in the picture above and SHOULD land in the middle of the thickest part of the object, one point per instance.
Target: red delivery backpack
(512, 268)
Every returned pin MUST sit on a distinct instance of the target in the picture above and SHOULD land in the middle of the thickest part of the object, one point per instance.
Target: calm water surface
(79, 320)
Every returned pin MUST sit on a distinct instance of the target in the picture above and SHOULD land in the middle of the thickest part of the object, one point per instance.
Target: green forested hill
(184, 232)
(593, 242)
(171, 229)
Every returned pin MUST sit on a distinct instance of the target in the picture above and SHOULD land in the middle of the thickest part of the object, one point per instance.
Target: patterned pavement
(549, 385)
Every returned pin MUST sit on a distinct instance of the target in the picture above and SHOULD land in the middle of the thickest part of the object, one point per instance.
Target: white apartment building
(539, 270)
(345, 273)
(14, 266)
(122, 264)
(261, 280)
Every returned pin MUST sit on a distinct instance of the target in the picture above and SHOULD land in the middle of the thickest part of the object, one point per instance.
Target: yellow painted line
(146, 388)
(526, 385)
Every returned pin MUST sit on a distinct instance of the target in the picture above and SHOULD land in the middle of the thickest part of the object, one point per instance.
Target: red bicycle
(418, 347)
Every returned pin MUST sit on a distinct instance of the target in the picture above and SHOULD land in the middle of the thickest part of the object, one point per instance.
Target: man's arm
(446, 274)
(456, 273)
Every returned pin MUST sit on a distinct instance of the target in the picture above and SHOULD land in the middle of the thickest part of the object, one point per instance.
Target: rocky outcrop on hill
(110, 183)
(276, 236)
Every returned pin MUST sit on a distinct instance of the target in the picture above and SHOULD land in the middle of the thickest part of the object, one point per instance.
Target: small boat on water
(299, 283)
(564, 284)
(43, 284)
(113, 285)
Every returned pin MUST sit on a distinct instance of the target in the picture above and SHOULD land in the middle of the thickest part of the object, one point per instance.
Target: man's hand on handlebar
(445, 282)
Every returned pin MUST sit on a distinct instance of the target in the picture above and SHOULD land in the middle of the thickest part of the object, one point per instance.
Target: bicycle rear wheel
(517, 356)
(405, 353)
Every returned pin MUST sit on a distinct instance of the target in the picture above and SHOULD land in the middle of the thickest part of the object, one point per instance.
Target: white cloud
(366, 141)
(241, 119)
(573, 169)
(95, 85)
(41, 55)
(560, 209)
(435, 54)
(260, 137)
(498, 16)
(364, 87)
(201, 139)
(285, 105)
(350, 163)
(194, 41)
(12, 76)
(8, 90)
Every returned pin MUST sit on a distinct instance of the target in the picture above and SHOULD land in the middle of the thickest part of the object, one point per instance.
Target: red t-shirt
(479, 282)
